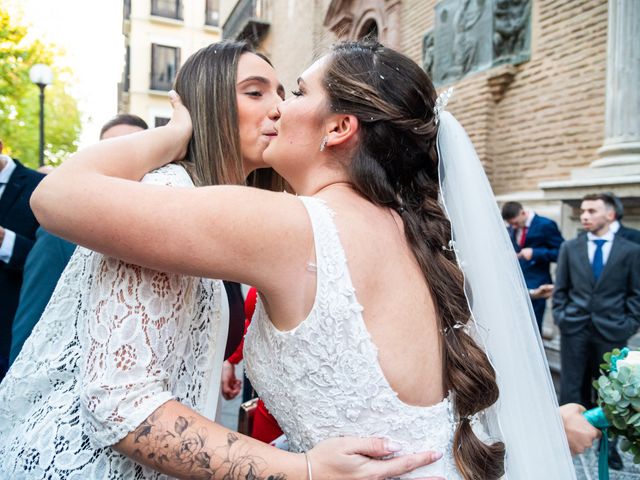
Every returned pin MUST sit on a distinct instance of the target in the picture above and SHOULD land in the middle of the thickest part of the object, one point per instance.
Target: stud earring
(323, 145)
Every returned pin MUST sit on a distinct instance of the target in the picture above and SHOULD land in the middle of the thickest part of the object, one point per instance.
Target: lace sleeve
(135, 317)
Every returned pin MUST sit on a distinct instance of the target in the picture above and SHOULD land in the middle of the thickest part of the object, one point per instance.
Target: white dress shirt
(9, 240)
(527, 224)
(606, 248)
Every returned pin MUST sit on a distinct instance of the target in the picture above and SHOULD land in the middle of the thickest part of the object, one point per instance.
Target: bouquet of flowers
(619, 398)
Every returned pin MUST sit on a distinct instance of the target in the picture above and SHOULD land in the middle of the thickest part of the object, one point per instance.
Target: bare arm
(94, 199)
(177, 441)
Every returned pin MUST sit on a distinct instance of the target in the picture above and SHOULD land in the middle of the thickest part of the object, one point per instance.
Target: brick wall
(550, 118)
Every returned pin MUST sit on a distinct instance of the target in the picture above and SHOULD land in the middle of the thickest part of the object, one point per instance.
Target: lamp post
(41, 75)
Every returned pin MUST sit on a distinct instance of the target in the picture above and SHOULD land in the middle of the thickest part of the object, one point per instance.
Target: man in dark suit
(617, 227)
(596, 300)
(536, 240)
(17, 234)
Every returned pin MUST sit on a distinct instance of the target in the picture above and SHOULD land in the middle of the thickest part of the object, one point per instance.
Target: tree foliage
(19, 99)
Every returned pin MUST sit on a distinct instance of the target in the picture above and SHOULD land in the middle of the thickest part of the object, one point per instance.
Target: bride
(125, 357)
(360, 277)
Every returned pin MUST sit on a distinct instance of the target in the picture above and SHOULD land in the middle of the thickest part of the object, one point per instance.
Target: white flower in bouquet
(631, 361)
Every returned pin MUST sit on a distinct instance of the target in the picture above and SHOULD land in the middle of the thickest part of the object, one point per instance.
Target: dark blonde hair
(396, 165)
(206, 84)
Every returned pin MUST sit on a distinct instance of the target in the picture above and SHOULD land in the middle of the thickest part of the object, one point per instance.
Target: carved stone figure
(474, 35)
(511, 21)
(466, 43)
(428, 53)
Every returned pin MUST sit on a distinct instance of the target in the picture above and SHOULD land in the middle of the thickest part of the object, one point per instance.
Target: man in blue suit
(17, 233)
(536, 240)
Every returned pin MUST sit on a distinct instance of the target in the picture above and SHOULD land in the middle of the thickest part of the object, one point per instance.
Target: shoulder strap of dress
(330, 256)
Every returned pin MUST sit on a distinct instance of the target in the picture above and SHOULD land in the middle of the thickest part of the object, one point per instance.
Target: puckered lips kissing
(271, 133)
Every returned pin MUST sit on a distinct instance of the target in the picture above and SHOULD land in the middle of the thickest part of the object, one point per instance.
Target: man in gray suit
(596, 300)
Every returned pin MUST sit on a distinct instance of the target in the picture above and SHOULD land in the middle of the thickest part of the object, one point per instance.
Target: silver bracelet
(309, 475)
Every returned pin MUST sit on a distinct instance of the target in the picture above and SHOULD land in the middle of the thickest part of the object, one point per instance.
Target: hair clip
(451, 247)
(456, 326)
(441, 103)
(468, 418)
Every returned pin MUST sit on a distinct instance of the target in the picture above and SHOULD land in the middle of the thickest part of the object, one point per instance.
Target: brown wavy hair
(206, 84)
(396, 165)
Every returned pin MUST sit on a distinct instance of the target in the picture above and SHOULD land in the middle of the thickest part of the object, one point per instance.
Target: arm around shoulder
(236, 233)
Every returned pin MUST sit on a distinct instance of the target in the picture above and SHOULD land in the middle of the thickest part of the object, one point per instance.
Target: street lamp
(41, 75)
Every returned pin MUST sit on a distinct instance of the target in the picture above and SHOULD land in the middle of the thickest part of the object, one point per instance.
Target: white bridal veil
(526, 416)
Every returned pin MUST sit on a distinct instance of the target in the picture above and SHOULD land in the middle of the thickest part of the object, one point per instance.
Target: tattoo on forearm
(183, 448)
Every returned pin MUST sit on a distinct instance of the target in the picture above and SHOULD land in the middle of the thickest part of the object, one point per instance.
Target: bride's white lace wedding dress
(323, 379)
(115, 342)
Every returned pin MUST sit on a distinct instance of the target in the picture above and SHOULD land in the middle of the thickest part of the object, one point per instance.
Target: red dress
(265, 427)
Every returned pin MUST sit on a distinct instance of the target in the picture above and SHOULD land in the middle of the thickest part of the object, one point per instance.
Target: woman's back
(398, 308)
(323, 378)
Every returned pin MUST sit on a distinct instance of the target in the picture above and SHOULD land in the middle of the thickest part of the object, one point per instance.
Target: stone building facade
(159, 36)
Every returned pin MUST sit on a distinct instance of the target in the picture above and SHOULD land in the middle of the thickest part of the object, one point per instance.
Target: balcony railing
(248, 21)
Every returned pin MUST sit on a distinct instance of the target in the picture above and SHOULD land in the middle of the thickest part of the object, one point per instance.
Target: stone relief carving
(473, 35)
(462, 38)
(465, 44)
(428, 53)
(511, 28)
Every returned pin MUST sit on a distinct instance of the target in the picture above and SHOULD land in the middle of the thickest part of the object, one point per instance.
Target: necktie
(598, 260)
(523, 236)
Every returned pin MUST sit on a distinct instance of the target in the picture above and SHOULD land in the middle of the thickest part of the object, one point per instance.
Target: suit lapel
(583, 255)
(12, 190)
(617, 251)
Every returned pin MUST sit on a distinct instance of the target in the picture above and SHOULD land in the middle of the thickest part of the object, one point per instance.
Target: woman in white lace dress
(125, 356)
(360, 325)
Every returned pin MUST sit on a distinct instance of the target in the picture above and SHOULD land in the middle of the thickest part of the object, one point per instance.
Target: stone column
(621, 146)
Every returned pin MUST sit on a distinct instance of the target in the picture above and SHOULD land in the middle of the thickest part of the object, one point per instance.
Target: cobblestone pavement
(590, 461)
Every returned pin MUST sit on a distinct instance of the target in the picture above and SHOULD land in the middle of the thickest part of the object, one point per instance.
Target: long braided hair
(396, 165)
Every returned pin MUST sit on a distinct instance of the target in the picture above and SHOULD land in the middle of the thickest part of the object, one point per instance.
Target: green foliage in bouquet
(619, 398)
